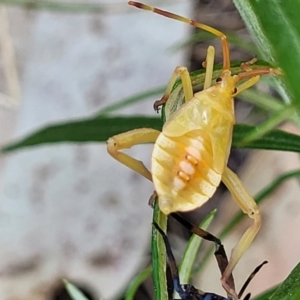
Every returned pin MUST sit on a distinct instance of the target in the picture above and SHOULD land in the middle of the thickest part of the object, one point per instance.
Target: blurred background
(71, 211)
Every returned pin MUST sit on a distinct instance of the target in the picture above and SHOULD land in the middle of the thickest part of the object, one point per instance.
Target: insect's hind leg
(184, 75)
(249, 207)
(220, 253)
(185, 291)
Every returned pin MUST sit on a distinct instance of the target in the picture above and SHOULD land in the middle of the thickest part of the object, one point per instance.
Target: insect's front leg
(128, 139)
(184, 75)
(249, 207)
(252, 76)
(247, 84)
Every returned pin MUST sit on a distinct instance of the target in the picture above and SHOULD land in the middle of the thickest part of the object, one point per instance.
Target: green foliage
(95, 129)
(136, 282)
(159, 260)
(290, 288)
(100, 129)
(187, 263)
(275, 28)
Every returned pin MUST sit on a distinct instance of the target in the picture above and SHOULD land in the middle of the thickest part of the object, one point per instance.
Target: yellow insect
(190, 155)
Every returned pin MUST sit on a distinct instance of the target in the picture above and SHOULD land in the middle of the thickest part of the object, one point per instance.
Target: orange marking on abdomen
(191, 159)
(186, 167)
(183, 166)
(183, 176)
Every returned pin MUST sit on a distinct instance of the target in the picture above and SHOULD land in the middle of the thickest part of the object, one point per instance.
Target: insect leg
(246, 65)
(127, 140)
(196, 230)
(247, 84)
(220, 253)
(209, 65)
(252, 75)
(249, 207)
(183, 73)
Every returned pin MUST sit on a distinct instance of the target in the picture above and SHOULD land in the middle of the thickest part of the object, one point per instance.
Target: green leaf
(266, 295)
(136, 282)
(275, 28)
(82, 131)
(290, 288)
(73, 291)
(159, 258)
(101, 129)
(269, 104)
(272, 140)
(191, 251)
(265, 127)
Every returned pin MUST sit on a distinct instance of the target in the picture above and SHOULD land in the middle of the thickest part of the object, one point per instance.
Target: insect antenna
(255, 271)
(247, 297)
(221, 35)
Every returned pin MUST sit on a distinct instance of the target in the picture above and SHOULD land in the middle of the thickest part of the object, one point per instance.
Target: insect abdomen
(183, 172)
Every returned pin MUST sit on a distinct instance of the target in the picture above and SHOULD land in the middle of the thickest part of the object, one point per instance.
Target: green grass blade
(290, 288)
(82, 131)
(275, 28)
(159, 259)
(101, 129)
(265, 127)
(272, 140)
(136, 282)
(187, 263)
(269, 104)
(73, 291)
(192, 249)
(266, 295)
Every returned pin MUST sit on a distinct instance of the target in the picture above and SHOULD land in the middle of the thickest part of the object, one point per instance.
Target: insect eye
(235, 90)
(219, 79)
